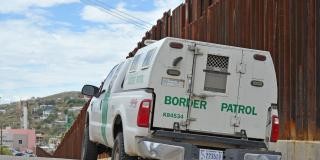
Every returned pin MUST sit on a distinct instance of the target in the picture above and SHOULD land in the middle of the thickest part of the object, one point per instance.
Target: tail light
(275, 129)
(143, 113)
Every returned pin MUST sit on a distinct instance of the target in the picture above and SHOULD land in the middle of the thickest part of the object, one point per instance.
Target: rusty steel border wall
(70, 146)
(42, 153)
(289, 29)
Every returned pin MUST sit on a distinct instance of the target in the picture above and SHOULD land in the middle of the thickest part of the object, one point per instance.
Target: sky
(52, 46)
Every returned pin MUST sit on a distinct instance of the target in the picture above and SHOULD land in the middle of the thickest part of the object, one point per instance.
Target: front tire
(118, 152)
(89, 149)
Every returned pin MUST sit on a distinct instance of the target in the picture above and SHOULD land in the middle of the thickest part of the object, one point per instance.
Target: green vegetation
(75, 102)
(5, 151)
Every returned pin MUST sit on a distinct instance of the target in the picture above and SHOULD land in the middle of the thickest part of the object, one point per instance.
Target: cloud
(33, 58)
(18, 6)
(38, 58)
(94, 14)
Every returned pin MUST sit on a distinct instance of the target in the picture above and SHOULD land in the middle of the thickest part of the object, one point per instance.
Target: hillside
(51, 115)
(63, 95)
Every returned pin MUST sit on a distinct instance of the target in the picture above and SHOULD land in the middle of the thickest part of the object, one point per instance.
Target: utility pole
(1, 139)
(25, 114)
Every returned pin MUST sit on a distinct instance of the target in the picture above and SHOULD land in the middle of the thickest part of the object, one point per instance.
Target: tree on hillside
(5, 151)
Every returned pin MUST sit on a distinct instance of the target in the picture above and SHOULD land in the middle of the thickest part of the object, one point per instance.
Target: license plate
(208, 154)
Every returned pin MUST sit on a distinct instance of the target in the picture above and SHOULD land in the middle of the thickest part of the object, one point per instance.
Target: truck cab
(183, 99)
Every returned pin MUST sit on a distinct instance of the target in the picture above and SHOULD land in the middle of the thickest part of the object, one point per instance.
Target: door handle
(100, 104)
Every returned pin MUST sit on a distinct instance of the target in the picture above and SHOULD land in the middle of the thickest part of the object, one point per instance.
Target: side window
(147, 59)
(117, 85)
(135, 62)
(115, 75)
(108, 79)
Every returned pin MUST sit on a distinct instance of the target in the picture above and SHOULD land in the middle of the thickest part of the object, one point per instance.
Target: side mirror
(90, 90)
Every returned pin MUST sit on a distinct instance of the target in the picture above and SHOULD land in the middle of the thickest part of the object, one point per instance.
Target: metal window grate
(217, 63)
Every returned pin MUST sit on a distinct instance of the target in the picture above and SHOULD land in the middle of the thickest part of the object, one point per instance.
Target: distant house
(75, 109)
(59, 100)
(2, 111)
(36, 117)
(7, 139)
(20, 139)
(45, 114)
(47, 110)
(59, 122)
(54, 142)
(40, 139)
(46, 106)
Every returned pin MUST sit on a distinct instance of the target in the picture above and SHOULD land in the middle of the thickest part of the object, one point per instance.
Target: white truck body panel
(251, 95)
(212, 119)
(240, 107)
(209, 91)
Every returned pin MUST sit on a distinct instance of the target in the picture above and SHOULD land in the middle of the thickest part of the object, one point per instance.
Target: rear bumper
(156, 148)
(164, 149)
(239, 143)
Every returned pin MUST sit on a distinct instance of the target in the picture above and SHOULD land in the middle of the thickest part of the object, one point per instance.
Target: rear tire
(89, 149)
(118, 152)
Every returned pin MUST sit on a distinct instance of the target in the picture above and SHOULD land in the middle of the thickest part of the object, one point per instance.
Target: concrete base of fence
(297, 150)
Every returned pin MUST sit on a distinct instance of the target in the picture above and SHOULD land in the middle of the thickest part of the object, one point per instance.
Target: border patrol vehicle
(179, 99)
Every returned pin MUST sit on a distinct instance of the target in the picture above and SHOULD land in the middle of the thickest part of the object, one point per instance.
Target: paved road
(36, 158)
(27, 158)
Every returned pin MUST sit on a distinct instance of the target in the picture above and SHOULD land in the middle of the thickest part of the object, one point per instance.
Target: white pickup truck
(179, 99)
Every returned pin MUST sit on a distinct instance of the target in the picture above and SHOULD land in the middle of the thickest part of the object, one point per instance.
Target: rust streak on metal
(70, 146)
(317, 44)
